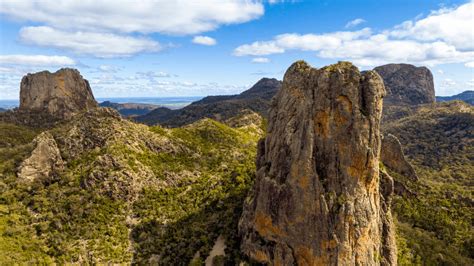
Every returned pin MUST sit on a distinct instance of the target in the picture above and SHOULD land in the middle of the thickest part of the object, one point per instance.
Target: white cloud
(306, 42)
(258, 48)
(105, 45)
(450, 25)
(36, 60)
(448, 82)
(108, 68)
(127, 16)
(273, 2)
(366, 48)
(354, 23)
(440, 71)
(469, 64)
(260, 60)
(153, 74)
(144, 86)
(380, 50)
(470, 83)
(315, 42)
(108, 28)
(204, 40)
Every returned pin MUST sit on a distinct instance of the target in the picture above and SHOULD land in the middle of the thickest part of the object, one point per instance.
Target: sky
(152, 48)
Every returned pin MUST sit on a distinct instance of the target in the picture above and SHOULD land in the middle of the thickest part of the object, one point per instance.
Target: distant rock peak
(60, 94)
(407, 84)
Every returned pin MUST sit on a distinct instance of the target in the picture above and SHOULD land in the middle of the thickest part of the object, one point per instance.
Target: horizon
(168, 49)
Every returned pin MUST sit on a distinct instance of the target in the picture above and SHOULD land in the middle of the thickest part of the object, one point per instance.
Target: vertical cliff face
(60, 94)
(407, 84)
(317, 197)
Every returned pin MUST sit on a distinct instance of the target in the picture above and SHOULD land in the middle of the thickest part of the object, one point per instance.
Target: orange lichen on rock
(261, 256)
(305, 257)
(321, 122)
(316, 196)
(265, 227)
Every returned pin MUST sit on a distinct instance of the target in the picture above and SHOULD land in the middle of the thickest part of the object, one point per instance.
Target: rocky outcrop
(60, 94)
(88, 131)
(407, 84)
(317, 198)
(43, 161)
(393, 158)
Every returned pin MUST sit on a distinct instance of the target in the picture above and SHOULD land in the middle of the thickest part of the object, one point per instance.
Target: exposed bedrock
(317, 198)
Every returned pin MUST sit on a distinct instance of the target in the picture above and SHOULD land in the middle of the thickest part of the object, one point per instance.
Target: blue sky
(196, 48)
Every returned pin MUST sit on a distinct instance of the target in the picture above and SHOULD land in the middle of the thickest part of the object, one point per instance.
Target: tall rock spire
(317, 198)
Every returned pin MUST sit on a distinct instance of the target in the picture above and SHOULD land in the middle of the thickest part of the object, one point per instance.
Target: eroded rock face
(392, 156)
(317, 197)
(44, 159)
(389, 245)
(407, 84)
(60, 94)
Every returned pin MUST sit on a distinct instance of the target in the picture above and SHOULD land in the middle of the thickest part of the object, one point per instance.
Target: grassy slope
(435, 227)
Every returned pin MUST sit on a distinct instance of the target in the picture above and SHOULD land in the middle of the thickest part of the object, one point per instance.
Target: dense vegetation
(132, 193)
(135, 194)
(435, 223)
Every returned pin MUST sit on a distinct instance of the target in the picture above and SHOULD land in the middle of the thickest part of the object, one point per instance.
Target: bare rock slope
(317, 198)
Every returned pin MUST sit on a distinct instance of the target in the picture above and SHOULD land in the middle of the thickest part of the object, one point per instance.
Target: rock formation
(44, 159)
(317, 198)
(407, 84)
(392, 157)
(60, 94)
